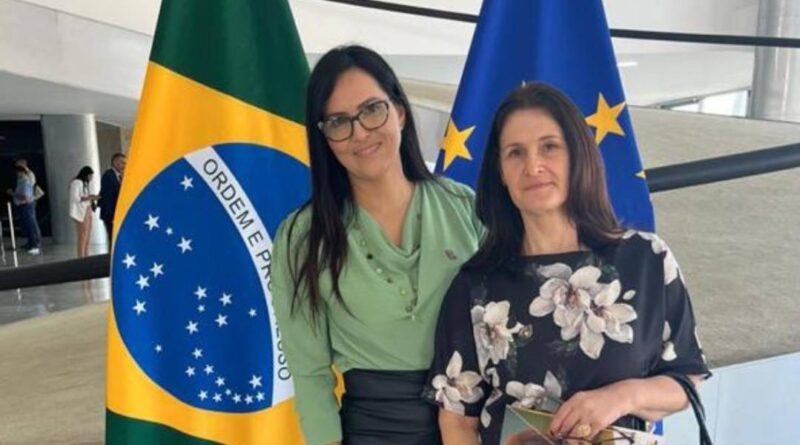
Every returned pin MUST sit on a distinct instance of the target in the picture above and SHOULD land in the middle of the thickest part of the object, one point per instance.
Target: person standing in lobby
(109, 191)
(80, 207)
(25, 201)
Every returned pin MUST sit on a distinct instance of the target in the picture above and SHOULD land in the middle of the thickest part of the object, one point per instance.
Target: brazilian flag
(218, 159)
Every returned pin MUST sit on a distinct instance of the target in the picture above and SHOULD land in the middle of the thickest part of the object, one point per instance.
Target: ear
(401, 115)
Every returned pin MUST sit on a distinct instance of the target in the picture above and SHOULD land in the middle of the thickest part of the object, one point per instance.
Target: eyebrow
(547, 137)
(363, 104)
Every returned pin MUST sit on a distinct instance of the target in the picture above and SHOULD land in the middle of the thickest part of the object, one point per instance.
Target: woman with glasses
(560, 310)
(360, 270)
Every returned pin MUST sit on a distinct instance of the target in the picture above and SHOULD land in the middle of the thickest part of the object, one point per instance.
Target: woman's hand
(457, 429)
(586, 413)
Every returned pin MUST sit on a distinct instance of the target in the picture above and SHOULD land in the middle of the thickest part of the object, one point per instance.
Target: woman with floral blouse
(561, 309)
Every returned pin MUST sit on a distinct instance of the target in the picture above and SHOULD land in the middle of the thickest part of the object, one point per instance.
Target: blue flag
(566, 46)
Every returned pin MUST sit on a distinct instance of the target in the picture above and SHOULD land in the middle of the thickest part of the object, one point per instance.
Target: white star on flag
(208, 369)
(185, 244)
(190, 371)
(203, 395)
(201, 308)
(157, 269)
(192, 327)
(187, 183)
(152, 222)
(200, 292)
(228, 392)
(220, 381)
(197, 353)
(143, 282)
(248, 399)
(158, 348)
(217, 397)
(237, 398)
(260, 396)
(169, 230)
(139, 308)
(221, 320)
(226, 299)
(252, 312)
(255, 382)
(129, 261)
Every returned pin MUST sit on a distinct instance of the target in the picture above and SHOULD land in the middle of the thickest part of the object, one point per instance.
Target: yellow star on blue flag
(605, 119)
(454, 144)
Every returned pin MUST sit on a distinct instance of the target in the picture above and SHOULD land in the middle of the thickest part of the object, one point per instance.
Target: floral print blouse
(541, 328)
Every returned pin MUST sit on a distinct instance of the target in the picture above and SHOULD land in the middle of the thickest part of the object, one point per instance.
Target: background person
(80, 208)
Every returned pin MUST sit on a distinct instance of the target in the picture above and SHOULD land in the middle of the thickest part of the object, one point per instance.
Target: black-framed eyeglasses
(340, 128)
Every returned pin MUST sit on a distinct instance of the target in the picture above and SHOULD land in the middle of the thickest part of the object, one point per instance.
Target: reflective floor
(32, 302)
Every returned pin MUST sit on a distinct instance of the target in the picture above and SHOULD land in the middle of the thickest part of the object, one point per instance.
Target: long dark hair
(587, 205)
(325, 242)
(84, 173)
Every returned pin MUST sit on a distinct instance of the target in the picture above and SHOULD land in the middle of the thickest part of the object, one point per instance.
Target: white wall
(101, 46)
(737, 17)
(134, 15)
(323, 25)
(57, 47)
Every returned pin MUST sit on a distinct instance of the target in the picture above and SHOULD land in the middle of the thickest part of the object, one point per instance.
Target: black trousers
(107, 223)
(386, 408)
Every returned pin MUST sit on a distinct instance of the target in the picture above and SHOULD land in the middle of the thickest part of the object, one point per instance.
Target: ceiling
(101, 50)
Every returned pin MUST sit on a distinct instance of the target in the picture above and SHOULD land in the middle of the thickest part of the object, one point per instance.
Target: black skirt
(386, 408)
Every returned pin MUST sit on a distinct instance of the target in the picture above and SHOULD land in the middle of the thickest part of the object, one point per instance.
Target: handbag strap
(697, 404)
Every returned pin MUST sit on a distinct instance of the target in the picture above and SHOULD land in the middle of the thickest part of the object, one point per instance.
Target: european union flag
(567, 46)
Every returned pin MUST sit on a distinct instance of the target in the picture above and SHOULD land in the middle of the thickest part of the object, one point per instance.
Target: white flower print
(528, 395)
(456, 387)
(608, 317)
(583, 306)
(493, 338)
(567, 295)
(555, 270)
(671, 268)
(629, 295)
(668, 351)
(531, 395)
(552, 388)
(486, 418)
(492, 377)
(699, 345)
(697, 339)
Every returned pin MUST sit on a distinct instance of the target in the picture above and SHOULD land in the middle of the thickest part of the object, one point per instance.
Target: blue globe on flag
(191, 276)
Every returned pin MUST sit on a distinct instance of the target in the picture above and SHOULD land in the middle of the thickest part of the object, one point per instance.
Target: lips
(368, 150)
(536, 186)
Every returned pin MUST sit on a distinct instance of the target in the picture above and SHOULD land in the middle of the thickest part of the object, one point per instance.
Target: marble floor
(21, 304)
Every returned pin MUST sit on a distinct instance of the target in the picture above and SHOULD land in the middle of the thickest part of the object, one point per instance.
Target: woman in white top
(80, 207)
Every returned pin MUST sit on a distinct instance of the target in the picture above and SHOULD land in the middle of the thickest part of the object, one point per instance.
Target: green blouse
(393, 295)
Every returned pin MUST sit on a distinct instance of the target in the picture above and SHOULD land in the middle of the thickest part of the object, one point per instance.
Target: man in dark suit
(109, 191)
